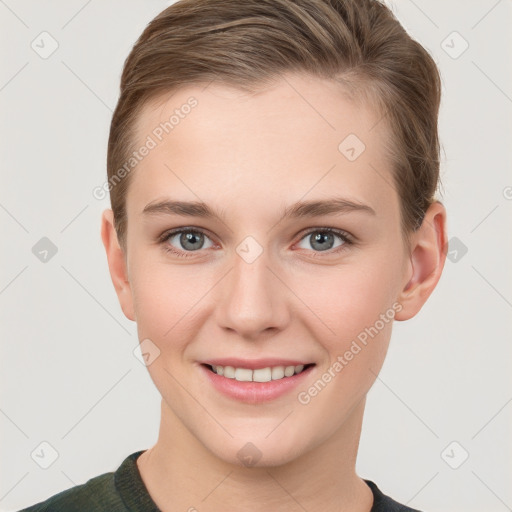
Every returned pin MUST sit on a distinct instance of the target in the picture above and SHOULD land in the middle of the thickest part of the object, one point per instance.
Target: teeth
(289, 371)
(229, 371)
(243, 374)
(262, 375)
(259, 375)
(277, 372)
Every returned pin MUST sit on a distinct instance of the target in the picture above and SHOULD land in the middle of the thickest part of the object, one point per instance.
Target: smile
(265, 382)
(258, 375)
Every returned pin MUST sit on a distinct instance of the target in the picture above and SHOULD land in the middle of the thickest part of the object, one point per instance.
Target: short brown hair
(250, 43)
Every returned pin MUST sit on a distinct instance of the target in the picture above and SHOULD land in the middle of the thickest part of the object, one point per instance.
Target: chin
(258, 452)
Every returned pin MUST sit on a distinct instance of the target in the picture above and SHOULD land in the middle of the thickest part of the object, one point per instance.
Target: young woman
(272, 166)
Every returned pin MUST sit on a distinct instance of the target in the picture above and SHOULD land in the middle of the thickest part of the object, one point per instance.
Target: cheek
(347, 300)
(357, 305)
(166, 298)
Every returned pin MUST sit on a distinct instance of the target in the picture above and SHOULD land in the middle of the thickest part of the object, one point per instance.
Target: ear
(117, 264)
(426, 261)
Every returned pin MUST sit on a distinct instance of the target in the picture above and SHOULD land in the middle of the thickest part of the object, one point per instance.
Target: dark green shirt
(124, 491)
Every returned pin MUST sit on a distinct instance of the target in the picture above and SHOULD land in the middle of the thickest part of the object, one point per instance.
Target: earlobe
(427, 258)
(117, 264)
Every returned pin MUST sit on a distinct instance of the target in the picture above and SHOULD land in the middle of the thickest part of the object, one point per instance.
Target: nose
(252, 299)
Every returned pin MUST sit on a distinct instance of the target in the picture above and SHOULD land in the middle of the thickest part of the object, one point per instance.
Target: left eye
(323, 239)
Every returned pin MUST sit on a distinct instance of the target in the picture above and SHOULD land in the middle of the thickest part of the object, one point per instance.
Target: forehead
(302, 133)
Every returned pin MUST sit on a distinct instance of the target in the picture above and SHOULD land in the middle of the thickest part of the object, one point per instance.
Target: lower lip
(254, 392)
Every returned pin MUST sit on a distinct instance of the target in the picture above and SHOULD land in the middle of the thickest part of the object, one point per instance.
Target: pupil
(191, 238)
(321, 238)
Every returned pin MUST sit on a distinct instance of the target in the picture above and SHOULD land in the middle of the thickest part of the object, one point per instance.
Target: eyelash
(343, 235)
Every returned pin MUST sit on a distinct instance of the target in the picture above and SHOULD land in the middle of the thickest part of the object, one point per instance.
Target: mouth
(264, 382)
(266, 374)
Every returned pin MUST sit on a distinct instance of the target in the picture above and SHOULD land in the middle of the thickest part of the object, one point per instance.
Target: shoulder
(96, 495)
(383, 503)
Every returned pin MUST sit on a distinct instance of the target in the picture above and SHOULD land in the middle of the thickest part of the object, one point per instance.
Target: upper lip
(254, 364)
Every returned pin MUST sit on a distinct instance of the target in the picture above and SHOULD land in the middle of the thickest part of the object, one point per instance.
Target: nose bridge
(252, 299)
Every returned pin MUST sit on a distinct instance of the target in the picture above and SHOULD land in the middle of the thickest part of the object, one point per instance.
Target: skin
(249, 156)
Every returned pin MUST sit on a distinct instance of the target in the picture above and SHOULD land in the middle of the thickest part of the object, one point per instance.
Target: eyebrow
(301, 209)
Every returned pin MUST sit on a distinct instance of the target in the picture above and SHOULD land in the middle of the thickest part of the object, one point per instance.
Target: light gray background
(69, 375)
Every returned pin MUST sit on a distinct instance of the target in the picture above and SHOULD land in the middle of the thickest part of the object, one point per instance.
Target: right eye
(182, 241)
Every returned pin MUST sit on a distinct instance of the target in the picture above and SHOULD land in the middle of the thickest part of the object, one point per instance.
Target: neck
(180, 473)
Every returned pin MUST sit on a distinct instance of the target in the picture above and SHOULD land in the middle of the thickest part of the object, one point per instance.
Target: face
(301, 261)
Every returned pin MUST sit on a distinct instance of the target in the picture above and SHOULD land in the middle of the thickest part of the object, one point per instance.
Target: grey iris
(190, 238)
(320, 239)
